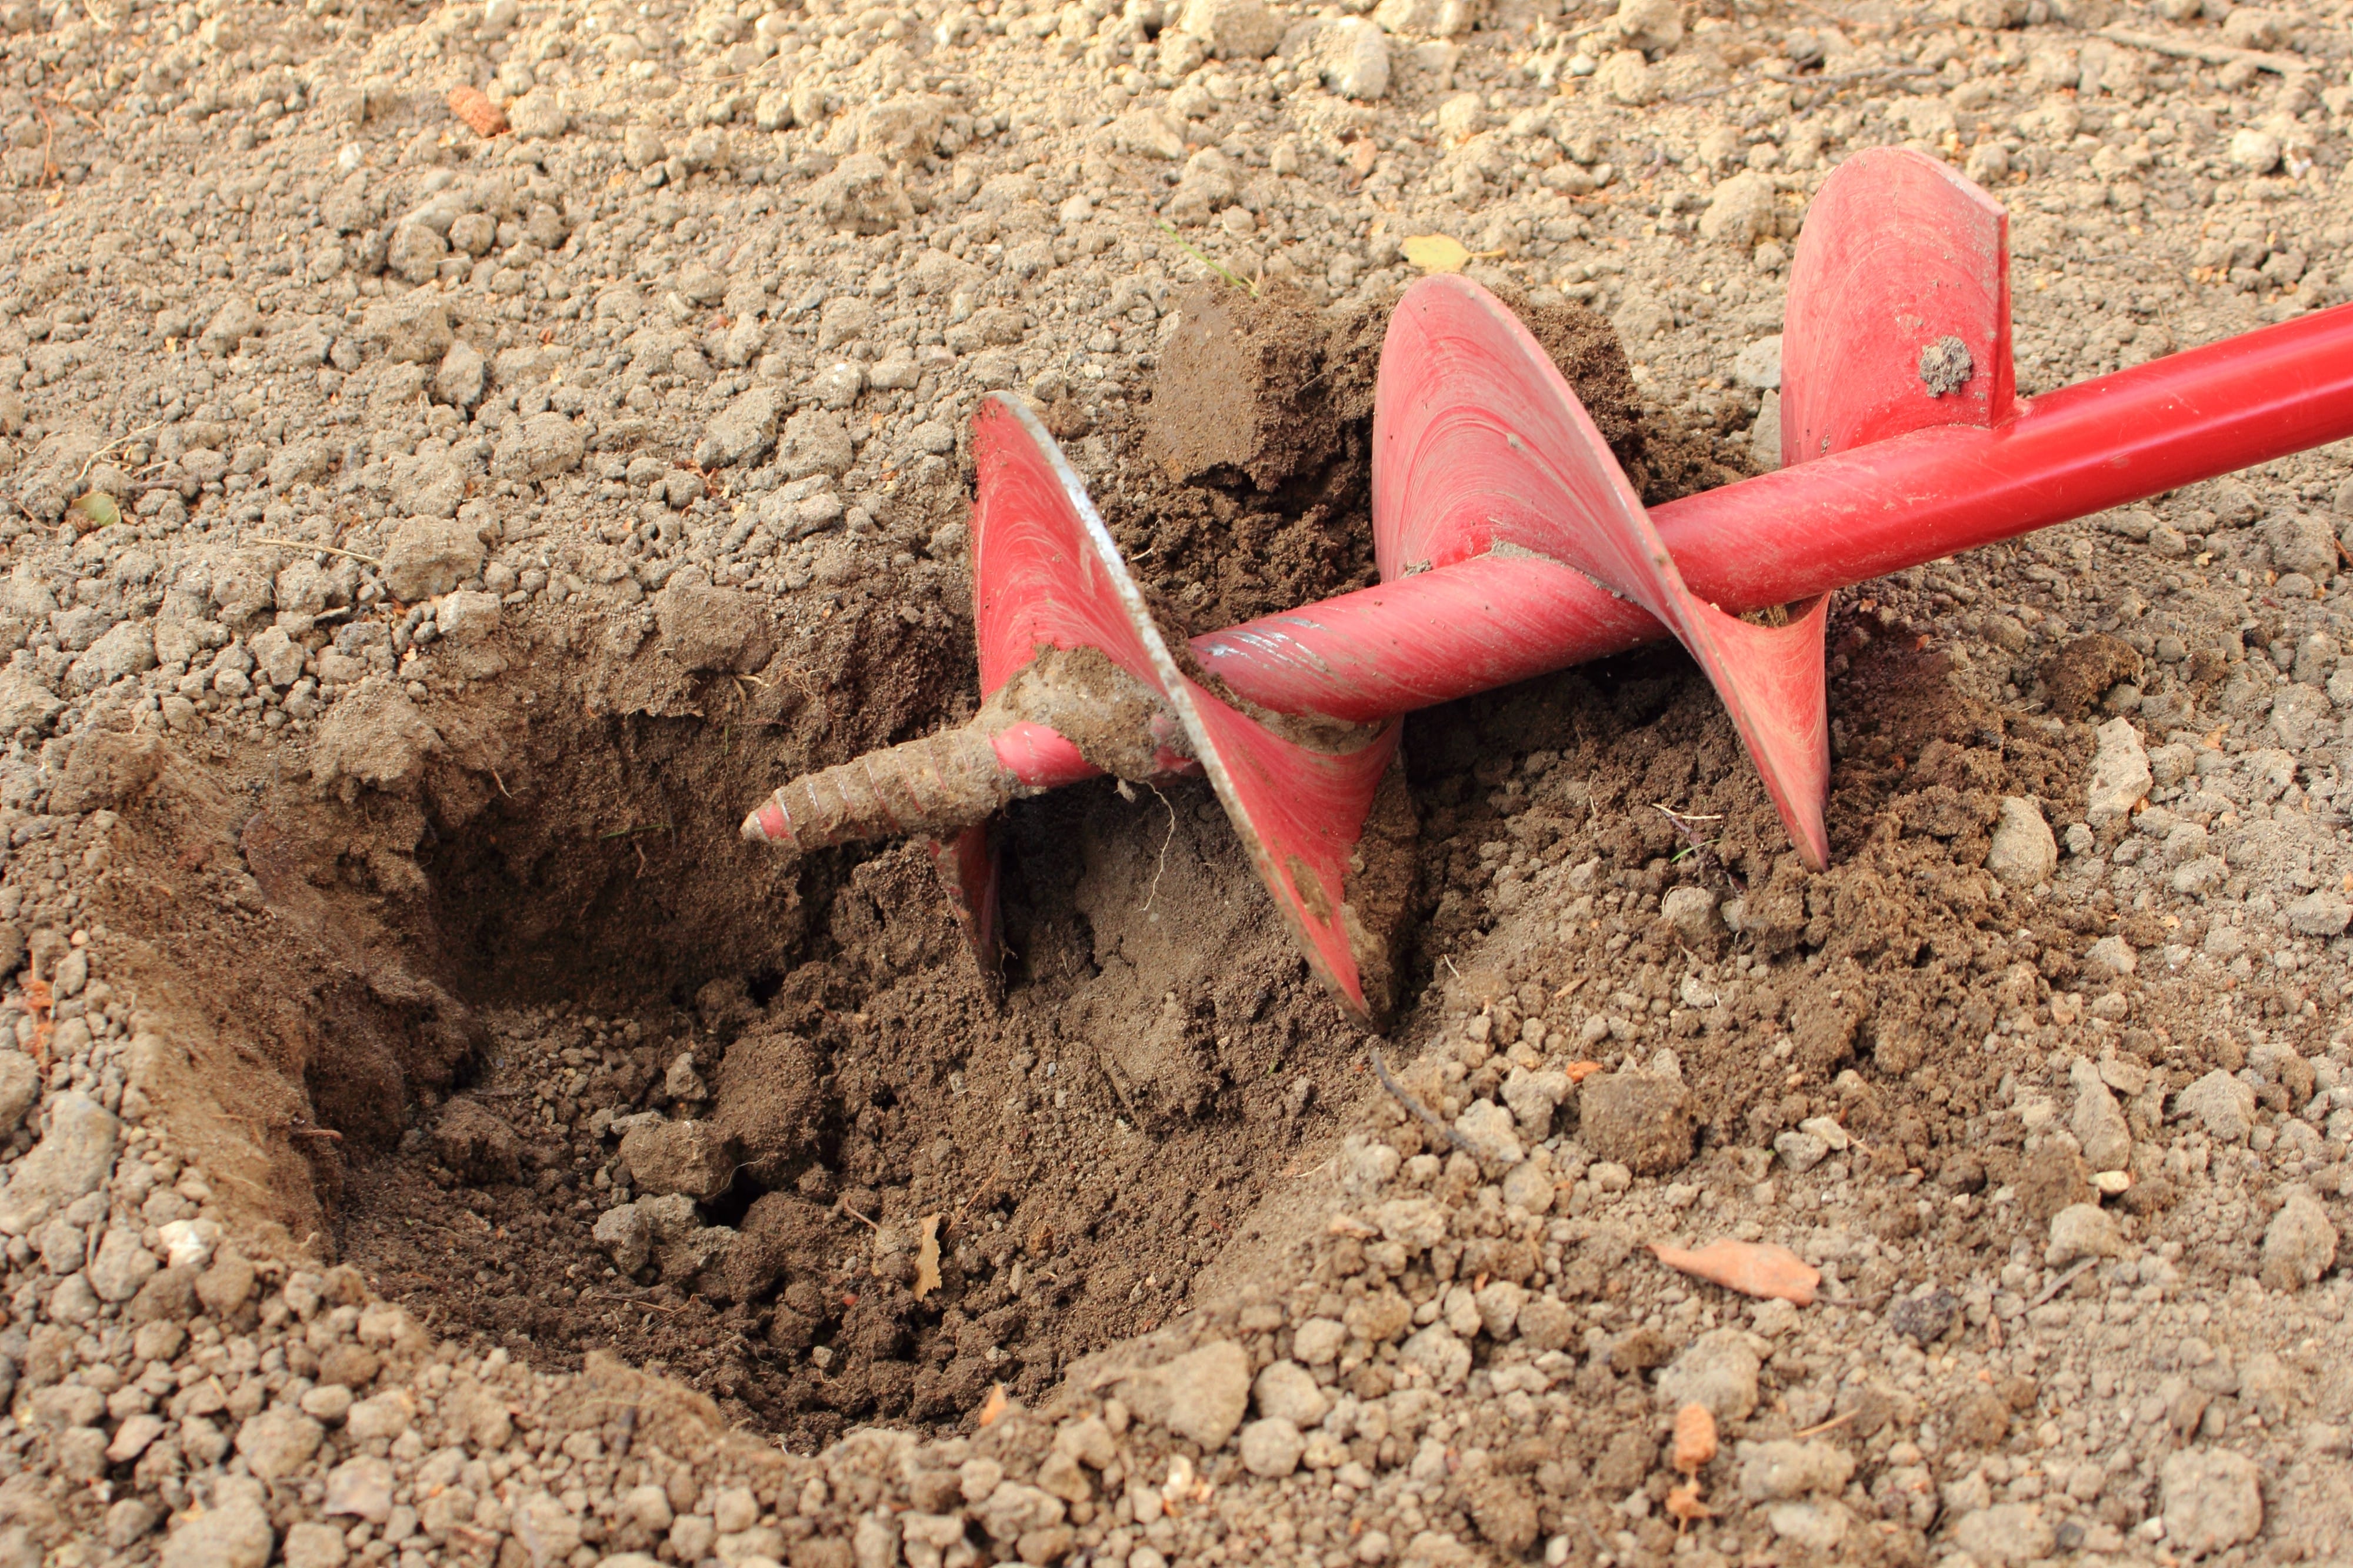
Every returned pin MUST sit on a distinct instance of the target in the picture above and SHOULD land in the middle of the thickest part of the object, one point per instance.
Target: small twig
(2210, 54)
(1832, 1424)
(842, 1206)
(626, 832)
(329, 549)
(48, 145)
(1238, 282)
(120, 441)
(2061, 1282)
(1846, 78)
(1405, 1098)
(500, 782)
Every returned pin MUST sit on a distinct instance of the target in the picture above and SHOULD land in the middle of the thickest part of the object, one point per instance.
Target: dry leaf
(927, 1256)
(1684, 1508)
(470, 104)
(993, 1408)
(1751, 1267)
(1694, 1438)
(1436, 252)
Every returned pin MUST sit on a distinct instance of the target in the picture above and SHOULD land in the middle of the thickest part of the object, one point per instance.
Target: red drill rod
(1487, 621)
(1459, 629)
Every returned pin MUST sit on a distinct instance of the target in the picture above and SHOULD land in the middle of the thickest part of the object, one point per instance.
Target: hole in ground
(517, 958)
(538, 975)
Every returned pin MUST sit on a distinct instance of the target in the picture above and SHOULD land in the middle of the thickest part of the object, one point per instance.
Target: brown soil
(541, 909)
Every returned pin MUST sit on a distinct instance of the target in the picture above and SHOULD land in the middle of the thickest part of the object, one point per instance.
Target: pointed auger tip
(768, 825)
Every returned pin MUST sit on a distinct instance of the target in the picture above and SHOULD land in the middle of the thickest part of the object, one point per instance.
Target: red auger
(1510, 545)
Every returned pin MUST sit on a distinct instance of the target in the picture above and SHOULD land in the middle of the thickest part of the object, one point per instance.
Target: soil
(427, 546)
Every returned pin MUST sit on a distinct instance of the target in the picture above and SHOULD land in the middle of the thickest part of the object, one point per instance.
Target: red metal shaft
(1456, 630)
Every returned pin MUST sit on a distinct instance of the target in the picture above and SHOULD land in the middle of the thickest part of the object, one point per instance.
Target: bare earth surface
(433, 1138)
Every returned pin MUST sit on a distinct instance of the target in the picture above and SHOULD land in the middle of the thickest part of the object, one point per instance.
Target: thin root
(1405, 1096)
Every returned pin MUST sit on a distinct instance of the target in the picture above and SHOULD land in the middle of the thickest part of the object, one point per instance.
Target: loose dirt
(436, 1137)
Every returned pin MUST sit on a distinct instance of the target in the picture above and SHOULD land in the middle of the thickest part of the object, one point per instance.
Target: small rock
(427, 556)
(1200, 1395)
(1289, 1392)
(1691, 912)
(25, 703)
(313, 1545)
(2098, 1123)
(1232, 29)
(547, 1531)
(2213, 1500)
(1759, 364)
(1348, 53)
(73, 1158)
(1925, 1318)
(2083, 1230)
(863, 197)
(467, 618)
(234, 322)
(539, 447)
(2120, 775)
(20, 1089)
(2111, 957)
(742, 432)
(1318, 1340)
(693, 1158)
(2322, 914)
(1148, 133)
(475, 1144)
(1639, 1119)
(2305, 544)
(234, 1533)
(128, 649)
(1271, 1448)
(1718, 1370)
(2222, 1105)
(1437, 1351)
(1740, 212)
(1493, 1131)
(2024, 853)
(537, 116)
(227, 1286)
(1786, 1469)
(277, 1443)
(1627, 78)
(2006, 1532)
(1817, 1527)
(1654, 27)
(2256, 152)
(413, 329)
(2300, 1244)
(329, 1401)
(1800, 1151)
(814, 442)
(463, 375)
(706, 628)
(122, 1265)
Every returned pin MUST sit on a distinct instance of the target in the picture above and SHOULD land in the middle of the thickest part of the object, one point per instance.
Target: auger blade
(1480, 447)
(968, 869)
(1898, 312)
(1047, 575)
